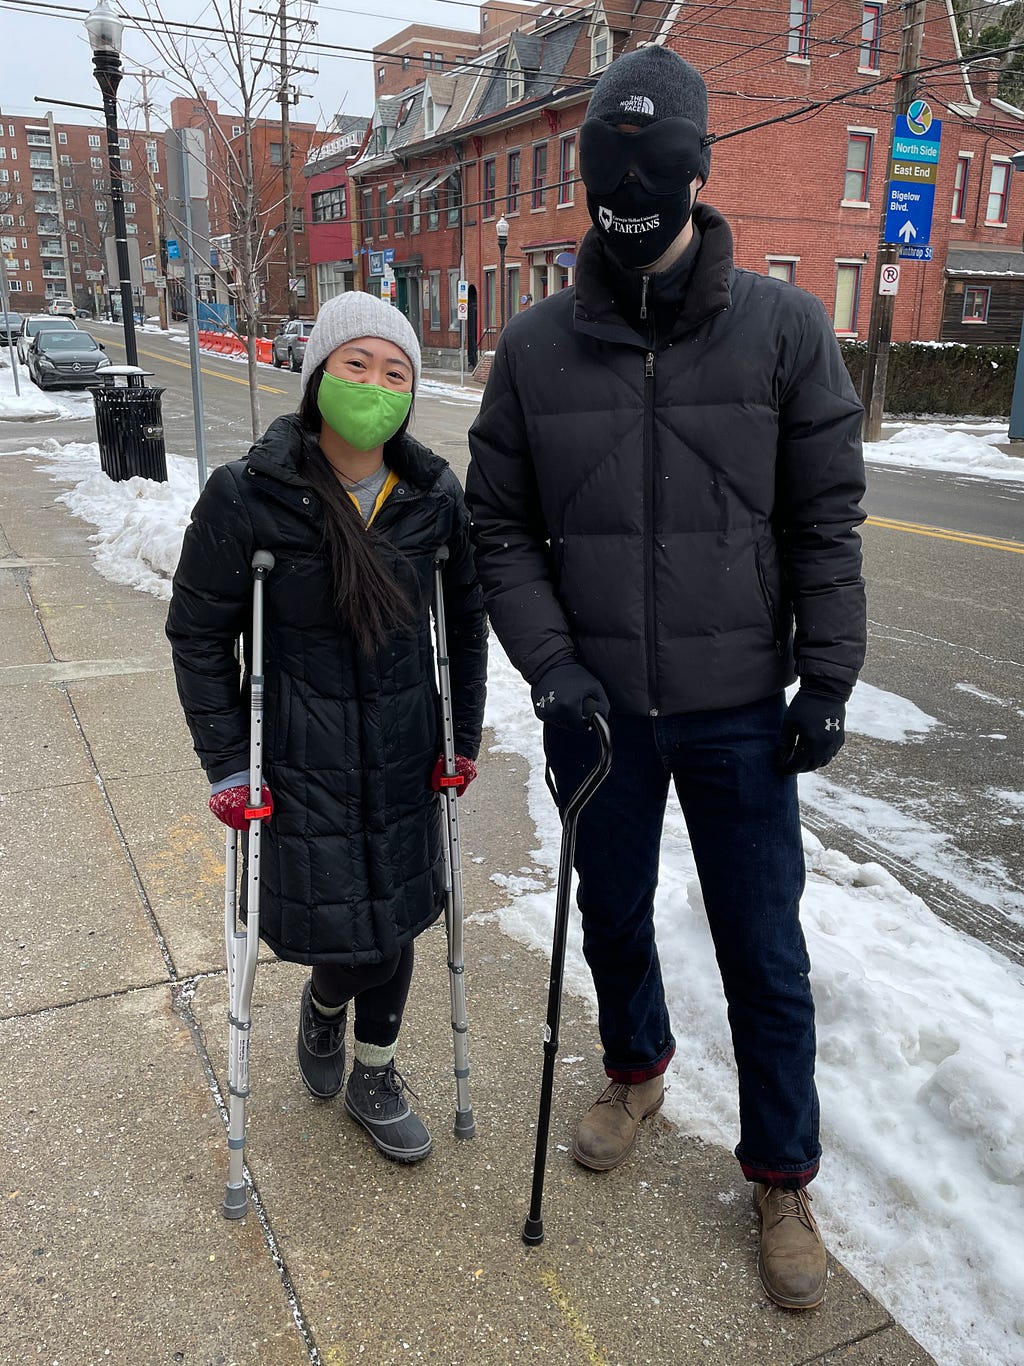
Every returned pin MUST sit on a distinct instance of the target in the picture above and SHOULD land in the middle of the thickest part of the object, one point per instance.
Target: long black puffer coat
(351, 861)
(667, 473)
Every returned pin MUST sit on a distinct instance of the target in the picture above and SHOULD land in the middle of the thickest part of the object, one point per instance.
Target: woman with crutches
(356, 514)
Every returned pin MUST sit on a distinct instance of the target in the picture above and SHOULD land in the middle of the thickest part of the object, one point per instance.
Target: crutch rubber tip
(533, 1232)
(236, 1202)
(465, 1124)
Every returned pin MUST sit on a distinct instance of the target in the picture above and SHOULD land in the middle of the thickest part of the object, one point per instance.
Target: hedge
(948, 378)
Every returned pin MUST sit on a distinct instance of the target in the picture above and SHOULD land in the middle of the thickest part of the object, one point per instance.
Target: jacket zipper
(649, 623)
(772, 617)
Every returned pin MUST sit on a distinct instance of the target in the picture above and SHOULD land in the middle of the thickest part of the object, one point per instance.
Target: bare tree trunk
(251, 292)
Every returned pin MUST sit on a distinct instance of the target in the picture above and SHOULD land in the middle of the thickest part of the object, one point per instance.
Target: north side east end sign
(913, 171)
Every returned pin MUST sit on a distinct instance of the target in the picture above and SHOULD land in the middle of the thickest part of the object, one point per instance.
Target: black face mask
(639, 185)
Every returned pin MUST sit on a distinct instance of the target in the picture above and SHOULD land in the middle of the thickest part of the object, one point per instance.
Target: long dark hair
(366, 592)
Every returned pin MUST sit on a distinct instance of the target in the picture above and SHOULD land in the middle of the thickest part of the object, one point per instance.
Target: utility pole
(285, 96)
(876, 362)
(158, 248)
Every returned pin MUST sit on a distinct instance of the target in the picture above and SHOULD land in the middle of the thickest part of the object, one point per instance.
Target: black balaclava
(639, 220)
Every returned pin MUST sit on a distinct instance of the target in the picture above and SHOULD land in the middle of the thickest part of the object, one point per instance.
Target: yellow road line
(215, 374)
(942, 534)
(582, 1335)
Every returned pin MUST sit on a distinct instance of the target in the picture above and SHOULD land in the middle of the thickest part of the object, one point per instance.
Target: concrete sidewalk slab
(134, 723)
(114, 1249)
(39, 743)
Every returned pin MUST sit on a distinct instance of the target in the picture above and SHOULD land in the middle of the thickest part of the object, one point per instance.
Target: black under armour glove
(568, 696)
(814, 727)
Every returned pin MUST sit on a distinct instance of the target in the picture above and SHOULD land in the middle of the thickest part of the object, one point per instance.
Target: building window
(427, 58)
(14, 286)
(438, 61)
(566, 168)
(236, 130)
(782, 268)
(600, 44)
(434, 291)
(405, 63)
(858, 168)
(453, 200)
(65, 183)
(132, 229)
(382, 211)
(433, 199)
(513, 182)
(490, 180)
(963, 173)
(998, 192)
(123, 143)
(74, 246)
(401, 207)
(129, 206)
(844, 315)
(328, 205)
(512, 290)
(94, 139)
(453, 301)
(540, 171)
(96, 163)
(490, 301)
(798, 40)
(276, 156)
(976, 304)
(380, 74)
(516, 87)
(62, 138)
(871, 38)
(366, 212)
(99, 205)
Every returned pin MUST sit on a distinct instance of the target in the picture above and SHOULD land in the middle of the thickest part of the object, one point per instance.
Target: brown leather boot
(607, 1132)
(791, 1263)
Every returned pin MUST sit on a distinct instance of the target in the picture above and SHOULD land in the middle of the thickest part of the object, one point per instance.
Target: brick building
(55, 211)
(455, 148)
(328, 224)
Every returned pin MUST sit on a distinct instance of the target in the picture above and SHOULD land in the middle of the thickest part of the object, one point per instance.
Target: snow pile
(33, 405)
(921, 1058)
(934, 447)
(139, 522)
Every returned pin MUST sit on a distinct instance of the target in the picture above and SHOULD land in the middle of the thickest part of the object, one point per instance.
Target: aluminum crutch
(243, 944)
(465, 1125)
(533, 1229)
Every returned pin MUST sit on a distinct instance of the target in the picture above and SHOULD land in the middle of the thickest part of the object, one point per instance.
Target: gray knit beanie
(356, 314)
(649, 84)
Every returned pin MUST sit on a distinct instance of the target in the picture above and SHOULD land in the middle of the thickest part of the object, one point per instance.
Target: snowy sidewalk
(113, 1034)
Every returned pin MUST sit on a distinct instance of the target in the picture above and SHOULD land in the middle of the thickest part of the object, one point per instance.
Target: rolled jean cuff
(633, 1076)
(789, 1177)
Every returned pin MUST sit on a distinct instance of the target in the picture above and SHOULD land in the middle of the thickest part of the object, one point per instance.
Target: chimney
(984, 75)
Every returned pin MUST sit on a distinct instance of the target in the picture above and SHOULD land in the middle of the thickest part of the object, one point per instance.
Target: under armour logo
(833, 723)
(544, 698)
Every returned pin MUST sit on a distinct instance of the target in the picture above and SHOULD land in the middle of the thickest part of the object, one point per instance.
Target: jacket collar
(608, 298)
(280, 450)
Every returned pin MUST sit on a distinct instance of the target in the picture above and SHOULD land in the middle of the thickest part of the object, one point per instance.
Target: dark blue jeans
(743, 821)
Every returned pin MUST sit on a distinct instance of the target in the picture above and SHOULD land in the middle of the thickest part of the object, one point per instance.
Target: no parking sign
(889, 280)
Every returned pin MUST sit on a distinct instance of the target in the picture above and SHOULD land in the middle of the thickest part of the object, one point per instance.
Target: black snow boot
(375, 1098)
(321, 1048)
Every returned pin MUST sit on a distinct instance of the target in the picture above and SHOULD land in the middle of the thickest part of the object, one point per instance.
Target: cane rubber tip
(533, 1232)
(263, 559)
(236, 1202)
(465, 1124)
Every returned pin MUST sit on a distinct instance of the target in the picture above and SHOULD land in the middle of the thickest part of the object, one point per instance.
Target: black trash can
(130, 431)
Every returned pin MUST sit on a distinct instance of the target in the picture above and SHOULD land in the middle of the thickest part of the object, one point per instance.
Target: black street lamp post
(501, 228)
(105, 29)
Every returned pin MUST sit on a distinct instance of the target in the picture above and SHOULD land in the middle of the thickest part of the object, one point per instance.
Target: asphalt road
(944, 563)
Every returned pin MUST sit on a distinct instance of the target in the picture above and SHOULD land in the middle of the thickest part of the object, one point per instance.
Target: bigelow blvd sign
(913, 171)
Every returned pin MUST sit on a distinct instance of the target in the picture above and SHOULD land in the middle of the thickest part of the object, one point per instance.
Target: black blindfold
(665, 157)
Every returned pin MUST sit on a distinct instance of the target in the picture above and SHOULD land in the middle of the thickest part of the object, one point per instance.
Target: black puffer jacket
(661, 480)
(351, 861)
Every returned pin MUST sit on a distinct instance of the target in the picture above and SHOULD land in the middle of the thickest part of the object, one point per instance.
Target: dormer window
(428, 115)
(516, 80)
(600, 44)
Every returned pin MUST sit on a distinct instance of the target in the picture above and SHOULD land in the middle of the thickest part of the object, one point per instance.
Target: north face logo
(605, 216)
(638, 104)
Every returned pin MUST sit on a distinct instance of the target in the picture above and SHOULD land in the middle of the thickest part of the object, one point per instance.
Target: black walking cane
(533, 1229)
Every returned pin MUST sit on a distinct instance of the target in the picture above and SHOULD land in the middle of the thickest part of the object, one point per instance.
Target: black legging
(380, 993)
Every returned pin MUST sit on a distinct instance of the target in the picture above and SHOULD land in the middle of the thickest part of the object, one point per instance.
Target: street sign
(294, 281)
(204, 281)
(161, 282)
(173, 250)
(389, 255)
(462, 307)
(913, 171)
(915, 253)
(889, 280)
(462, 295)
(94, 275)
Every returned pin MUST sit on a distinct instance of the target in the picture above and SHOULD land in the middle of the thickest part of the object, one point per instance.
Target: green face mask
(364, 415)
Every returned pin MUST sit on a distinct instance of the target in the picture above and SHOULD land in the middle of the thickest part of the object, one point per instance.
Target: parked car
(39, 322)
(10, 326)
(84, 314)
(62, 308)
(290, 345)
(66, 359)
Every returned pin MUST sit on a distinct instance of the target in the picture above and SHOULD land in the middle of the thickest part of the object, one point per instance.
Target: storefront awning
(549, 246)
(409, 189)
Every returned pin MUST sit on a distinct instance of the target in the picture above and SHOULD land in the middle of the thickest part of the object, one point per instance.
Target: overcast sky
(51, 57)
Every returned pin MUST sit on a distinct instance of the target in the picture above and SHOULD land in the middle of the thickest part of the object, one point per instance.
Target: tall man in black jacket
(665, 484)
